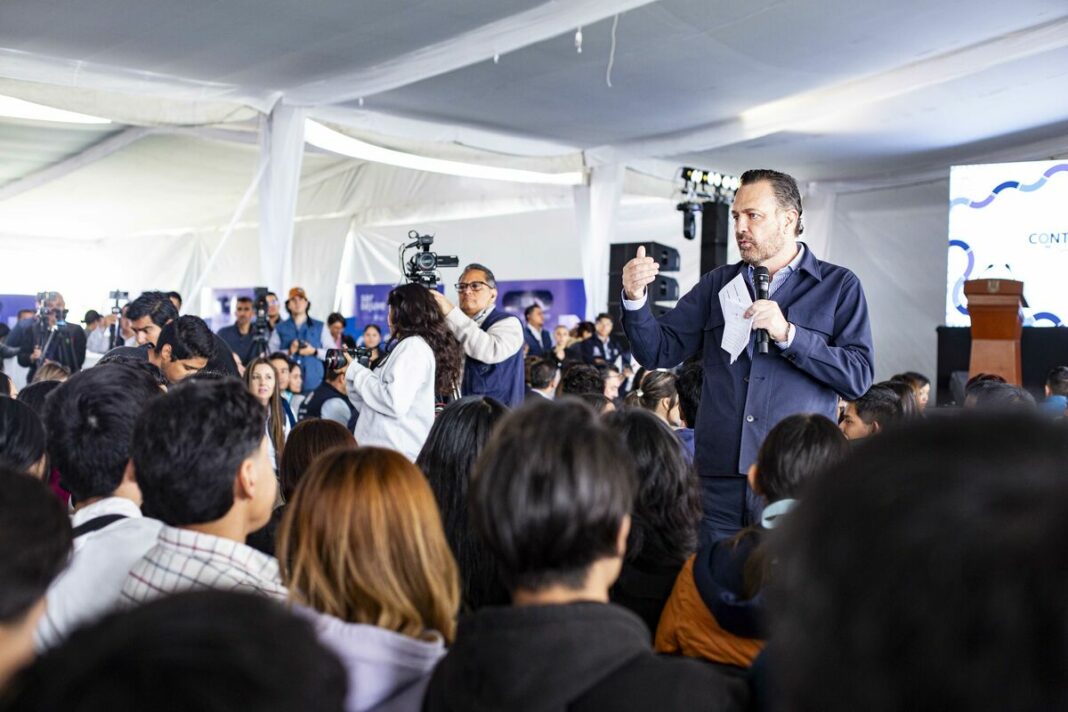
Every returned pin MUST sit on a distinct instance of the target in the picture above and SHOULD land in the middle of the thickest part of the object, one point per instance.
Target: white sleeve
(336, 411)
(634, 304)
(97, 341)
(494, 345)
(392, 389)
(274, 343)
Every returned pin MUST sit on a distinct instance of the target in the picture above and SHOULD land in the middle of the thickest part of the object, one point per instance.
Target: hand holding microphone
(762, 283)
(768, 320)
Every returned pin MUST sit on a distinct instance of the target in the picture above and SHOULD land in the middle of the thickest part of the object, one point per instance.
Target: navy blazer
(534, 347)
(831, 354)
(594, 351)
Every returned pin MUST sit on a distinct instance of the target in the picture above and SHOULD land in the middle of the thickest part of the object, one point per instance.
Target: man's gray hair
(490, 279)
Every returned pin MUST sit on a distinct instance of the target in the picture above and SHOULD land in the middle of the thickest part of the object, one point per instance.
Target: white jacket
(396, 400)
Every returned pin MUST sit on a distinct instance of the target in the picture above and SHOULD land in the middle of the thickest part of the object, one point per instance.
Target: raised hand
(638, 274)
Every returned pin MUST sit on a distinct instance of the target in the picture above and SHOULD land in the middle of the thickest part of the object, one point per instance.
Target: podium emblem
(993, 286)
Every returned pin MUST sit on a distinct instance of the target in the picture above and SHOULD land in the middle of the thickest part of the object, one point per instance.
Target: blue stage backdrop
(563, 300)
(12, 304)
(223, 302)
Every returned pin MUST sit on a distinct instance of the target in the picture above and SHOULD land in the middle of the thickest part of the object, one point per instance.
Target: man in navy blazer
(820, 343)
(537, 339)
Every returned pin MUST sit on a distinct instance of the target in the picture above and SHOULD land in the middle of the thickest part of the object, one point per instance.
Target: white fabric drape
(282, 147)
(596, 212)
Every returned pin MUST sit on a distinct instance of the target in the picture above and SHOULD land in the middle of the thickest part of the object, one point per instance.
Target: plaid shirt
(183, 559)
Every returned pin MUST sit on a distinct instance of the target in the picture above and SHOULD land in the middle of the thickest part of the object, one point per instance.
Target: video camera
(260, 326)
(422, 267)
(335, 358)
(44, 312)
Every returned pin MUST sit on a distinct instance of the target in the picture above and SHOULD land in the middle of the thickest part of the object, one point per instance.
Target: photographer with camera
(396, 401)
(302, 338)
(492, 339)
(47, 336)
(239, 335)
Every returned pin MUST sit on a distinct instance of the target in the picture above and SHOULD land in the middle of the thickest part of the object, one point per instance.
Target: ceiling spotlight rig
(700, 187)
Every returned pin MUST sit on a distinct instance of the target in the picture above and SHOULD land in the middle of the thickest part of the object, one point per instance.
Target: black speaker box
(623, 252)
(663, 289)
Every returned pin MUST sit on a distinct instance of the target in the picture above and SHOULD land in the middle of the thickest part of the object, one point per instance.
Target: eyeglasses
(471, 286)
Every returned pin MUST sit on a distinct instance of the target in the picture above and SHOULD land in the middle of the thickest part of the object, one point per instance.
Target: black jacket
(580, 656)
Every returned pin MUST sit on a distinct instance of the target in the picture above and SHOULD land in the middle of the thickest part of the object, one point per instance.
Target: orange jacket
(688, 628)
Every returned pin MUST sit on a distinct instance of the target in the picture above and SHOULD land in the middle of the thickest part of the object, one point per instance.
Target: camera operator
(397, 400)
(330, 401)
(492, 339)
(151, 311)
(98, 338)
(302, 337)
(47, 336)
(239, 336)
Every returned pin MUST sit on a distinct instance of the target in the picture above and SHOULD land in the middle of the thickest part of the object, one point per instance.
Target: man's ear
(245, 482)
(875, 427)
(621, 539)
(165, 353)
(751, 477)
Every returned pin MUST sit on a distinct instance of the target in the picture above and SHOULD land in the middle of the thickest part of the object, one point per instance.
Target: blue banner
(12, 304)
(371, 308)
(562, 300)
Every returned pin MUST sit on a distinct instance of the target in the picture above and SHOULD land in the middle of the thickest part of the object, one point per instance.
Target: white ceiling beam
(808, 109)
(500, 37)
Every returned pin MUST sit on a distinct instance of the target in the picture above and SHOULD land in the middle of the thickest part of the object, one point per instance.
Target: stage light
(689, 210)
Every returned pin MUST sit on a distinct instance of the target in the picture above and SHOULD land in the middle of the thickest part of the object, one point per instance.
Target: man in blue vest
(301, 337)
(492, 339)
(535, 336)
(330, 401)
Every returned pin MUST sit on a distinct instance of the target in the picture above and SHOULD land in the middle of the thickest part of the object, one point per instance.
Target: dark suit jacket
(536, 347)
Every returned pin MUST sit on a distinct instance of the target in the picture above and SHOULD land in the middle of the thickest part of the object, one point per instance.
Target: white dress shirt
(90, 586)
(396, 400)
(496, 344)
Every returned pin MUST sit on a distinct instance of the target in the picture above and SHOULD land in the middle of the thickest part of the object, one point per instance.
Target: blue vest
(503, 381)
(312, 407)
(312, 332)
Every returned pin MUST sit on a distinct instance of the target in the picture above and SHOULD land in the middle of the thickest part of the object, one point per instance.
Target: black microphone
(762, 282)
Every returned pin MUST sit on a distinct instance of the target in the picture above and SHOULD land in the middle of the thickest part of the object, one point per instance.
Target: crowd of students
(175, 536)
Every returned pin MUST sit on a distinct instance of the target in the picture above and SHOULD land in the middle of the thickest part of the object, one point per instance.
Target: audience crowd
(477, 511)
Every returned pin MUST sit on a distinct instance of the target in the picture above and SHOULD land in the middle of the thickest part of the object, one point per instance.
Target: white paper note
(734, 299)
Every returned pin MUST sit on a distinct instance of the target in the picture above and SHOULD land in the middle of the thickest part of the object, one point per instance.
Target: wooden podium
(994, 306)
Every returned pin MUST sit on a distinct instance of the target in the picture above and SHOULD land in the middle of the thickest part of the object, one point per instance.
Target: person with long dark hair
(448, 459)
(262, 382)
(397, 399)
(667, 512)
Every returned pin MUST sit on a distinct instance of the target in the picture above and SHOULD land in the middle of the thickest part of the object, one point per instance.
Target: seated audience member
(600, 404)
(993, 396)
(613, 380)
(536, 338)
(578, 379)
(448, 459)
(561, 340)
(90, 421)
(296, 383)
(308, 440)
(871, 413)
(152, 311)
(716, 609)
(908, 406)
(184, 347)
(551, 496)
(688, 384)
(583, 330)
(205, 650)
(330, 401)
(666, 514)
(943, 536)
(283, 366)
(202, 459)
(239, 335)
(602, 348)
(372, 339)
(544, 379)
(1056, 389)
(50, 371)
(658, 394)
(366, 559)
(262, 382)
(36, 394)
(335, 336)
(976, 383)
(7, 386)
(35, 542)
(396, 400)
(921, 387)
(22, 439)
